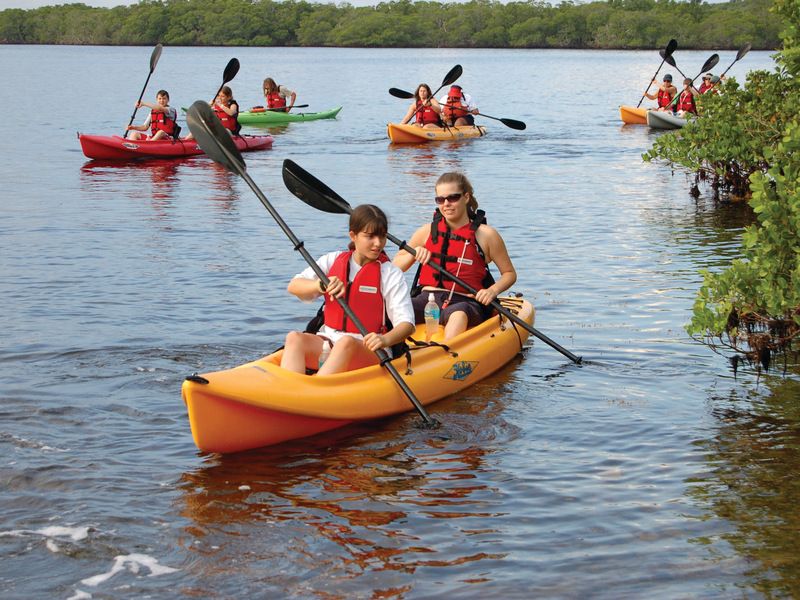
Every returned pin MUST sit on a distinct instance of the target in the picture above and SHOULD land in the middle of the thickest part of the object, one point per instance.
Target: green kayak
(274, 117)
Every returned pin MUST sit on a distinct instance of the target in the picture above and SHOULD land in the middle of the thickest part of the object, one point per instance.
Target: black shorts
(476, 312)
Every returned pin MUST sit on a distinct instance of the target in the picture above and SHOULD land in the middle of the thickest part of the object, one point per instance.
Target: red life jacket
(455, 106)
(426, 114)
(160, 122)
(664, 99)
(705, 86)
(363, 295)
(451, 248)
(686, 102)
(228, 121)
(275, 100)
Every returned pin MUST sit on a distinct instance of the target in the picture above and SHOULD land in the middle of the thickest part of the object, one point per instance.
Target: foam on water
(75, 534)
(133, 562)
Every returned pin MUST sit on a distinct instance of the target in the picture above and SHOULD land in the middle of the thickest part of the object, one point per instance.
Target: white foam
(80, 595)
(76, 534)
(52, 546)
(133, 562)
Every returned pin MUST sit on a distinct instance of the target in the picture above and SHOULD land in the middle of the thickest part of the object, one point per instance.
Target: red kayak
(117, 147)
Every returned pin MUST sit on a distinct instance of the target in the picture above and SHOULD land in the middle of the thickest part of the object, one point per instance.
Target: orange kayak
(413, 134)
(259, 403)
(631, 115)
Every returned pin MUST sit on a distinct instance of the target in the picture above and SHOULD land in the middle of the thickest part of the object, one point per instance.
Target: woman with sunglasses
(370, 284)
(459, 240)
(276, 96)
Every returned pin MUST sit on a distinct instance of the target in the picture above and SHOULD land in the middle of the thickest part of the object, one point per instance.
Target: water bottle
(431, 317)
(323, 356)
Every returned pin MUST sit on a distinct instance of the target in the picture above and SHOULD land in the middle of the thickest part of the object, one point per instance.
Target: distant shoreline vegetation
(612, 24)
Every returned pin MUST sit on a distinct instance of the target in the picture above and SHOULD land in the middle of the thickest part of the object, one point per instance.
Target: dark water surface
(648, 472)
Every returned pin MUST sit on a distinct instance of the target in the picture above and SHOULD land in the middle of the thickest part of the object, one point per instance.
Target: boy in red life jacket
(686, 104)
(665, 93)
(370, 284)
(458, 108)
(425, 110)
(460, 241)
(162, 121)
(276, 96)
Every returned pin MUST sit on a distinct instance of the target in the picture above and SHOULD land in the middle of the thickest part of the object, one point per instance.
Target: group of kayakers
(163, 119)
(457, 239)
(683, 103)
(455, 109)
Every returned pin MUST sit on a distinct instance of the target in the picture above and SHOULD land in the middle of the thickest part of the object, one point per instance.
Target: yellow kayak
(259, 403)
(631, 115)
(413, 134)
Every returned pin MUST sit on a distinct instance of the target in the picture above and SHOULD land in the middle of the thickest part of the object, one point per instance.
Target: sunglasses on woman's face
(451, 198)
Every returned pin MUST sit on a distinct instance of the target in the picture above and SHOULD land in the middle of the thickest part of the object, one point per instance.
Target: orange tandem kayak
(632, 115)
(413, 134)
(259, 403)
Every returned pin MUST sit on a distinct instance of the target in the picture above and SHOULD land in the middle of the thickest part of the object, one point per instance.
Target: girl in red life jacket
(162, 121)
(425, 110)
(665, 93)
(458, 108)
(227, 111)
(275, 96)
(686, 104)
(464, 246)
(370, 284)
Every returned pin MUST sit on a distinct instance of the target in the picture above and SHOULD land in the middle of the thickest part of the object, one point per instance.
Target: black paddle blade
(211, 135)
(672, 45)
(400, 93)
(668, 58)
(744, 50)
(514, 124)
(311, 190)
(452, 75)
(710, 63)
(154, 57)
(231, 69)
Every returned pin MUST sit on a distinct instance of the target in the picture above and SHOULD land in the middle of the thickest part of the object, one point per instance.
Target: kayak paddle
(451, 77)
(739, 55)
(217, 143)
(313, 192)
(153, 62)
(671, 47)
(231, 69)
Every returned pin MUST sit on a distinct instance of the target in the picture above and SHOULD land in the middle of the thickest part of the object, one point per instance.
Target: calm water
(648, 472)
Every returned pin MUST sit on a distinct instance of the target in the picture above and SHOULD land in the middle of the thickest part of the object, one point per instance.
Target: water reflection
(753, 486)
(347, 502)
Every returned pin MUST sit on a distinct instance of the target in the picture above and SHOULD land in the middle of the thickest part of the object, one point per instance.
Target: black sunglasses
(451, 198)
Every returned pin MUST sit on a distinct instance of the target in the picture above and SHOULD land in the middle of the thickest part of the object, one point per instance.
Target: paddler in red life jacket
(370, 284)
(459, 240)
(458, 108)
(162, 122)
(276, 96)
(665, 93)
(706, 85)
(425, 110)
(227, 110)
(686, 104)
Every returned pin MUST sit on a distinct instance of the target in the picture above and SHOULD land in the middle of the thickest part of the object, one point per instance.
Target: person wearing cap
(706, 85)
(458, 108)
(686, 104)
(665, 94)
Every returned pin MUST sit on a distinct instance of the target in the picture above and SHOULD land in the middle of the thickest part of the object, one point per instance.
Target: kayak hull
(272, 117)
(633, 115)
(115, 147)
(259, 404)
(664, 120)
(412, 134)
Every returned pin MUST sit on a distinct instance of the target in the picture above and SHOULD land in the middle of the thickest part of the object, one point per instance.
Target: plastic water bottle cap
(431, 297)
